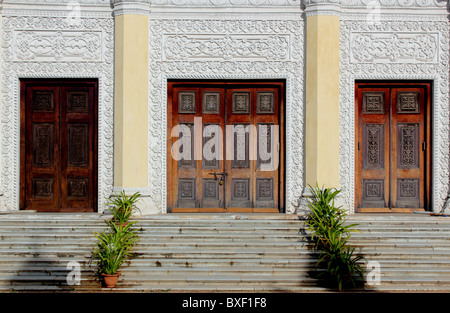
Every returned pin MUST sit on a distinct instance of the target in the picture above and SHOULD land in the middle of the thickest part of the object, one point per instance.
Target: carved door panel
(197, 113)
(58, 146)
(228, 160)
(392, 162)
(373, 147)
(252, 148)
(408, 129)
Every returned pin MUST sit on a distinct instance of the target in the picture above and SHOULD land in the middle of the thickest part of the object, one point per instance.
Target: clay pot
(110, 280)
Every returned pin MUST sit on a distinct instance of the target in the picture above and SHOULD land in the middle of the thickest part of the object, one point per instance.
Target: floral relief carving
(39, 45)
(227, 47)
(49, 47)
(399, 48)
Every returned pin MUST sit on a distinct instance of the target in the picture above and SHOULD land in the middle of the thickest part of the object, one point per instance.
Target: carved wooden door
(229, 159)
(392, 159)
(58, 146)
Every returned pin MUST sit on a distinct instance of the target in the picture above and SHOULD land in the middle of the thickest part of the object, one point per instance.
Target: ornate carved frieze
(38, 45)
(244, 59)
(396, 3)
(394, 47)
(227, 47)
(418, 50)
(35, 46)
(226, 3)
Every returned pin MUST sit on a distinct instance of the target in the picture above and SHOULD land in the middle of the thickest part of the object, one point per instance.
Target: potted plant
(114, 248)
(122, 207)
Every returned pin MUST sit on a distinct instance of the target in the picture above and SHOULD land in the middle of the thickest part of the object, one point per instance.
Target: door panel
(58, 146)
(234, 166)
(77, 142)
(408, 128)
(374, 147)
(42, 150)
(392, 172)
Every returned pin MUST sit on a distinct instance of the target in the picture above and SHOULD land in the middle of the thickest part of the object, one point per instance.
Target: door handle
(222, 178)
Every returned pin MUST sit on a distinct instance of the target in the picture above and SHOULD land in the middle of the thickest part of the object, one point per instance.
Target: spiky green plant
(329, 234)
(114, 247)
(122, 206)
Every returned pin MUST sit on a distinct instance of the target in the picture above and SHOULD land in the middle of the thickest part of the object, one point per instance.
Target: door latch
(222, 176)
(424, 146)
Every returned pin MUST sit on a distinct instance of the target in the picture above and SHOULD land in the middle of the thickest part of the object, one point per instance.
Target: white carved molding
(85, 50)
(226, 3)
(131, 7)
(32, 45)
(226, 47)
(396, 3)
(322, 7)
(204, 64)
(378, 47)
(400, 63)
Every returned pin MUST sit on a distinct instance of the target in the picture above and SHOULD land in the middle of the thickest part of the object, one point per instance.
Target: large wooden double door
(58, 145)
(393, 147)
(225, 147)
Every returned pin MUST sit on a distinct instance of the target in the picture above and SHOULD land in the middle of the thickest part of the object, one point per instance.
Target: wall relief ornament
(257, 64)
(87, 52)
(434, 67)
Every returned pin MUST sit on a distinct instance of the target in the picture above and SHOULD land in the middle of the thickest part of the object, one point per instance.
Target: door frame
(228, 83)
(428, 161)
(22, 134)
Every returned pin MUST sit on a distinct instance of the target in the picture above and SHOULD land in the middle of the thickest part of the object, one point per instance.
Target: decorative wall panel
(404, 60)
(240, 46)
(43, 42)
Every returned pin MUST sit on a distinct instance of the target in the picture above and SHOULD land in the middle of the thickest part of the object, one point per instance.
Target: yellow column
(131, 101)
(322, 100)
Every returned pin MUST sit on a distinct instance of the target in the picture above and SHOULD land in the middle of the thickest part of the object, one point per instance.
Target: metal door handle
(221, 173)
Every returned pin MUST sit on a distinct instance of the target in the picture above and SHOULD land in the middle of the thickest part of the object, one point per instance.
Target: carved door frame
(390, 155)
(65, 86)
(225, 89)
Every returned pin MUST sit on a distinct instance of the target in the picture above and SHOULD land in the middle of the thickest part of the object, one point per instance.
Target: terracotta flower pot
(110, 280)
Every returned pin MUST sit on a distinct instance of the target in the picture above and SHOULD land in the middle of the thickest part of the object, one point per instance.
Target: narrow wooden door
(392, 159)
(58, 146)
(224, 147)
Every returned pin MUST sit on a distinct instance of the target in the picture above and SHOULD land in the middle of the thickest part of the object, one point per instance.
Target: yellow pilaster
(131, 101)
(322, 100)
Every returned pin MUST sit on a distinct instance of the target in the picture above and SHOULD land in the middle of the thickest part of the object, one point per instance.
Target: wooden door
(58, 146)
(392, 159)
(229, 160)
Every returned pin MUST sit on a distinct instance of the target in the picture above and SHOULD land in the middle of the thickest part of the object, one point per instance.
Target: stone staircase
(218, 252)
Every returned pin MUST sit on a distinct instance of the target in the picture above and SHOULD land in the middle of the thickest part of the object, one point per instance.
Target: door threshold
(222, 216)
(389, 210)
(228, 210)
